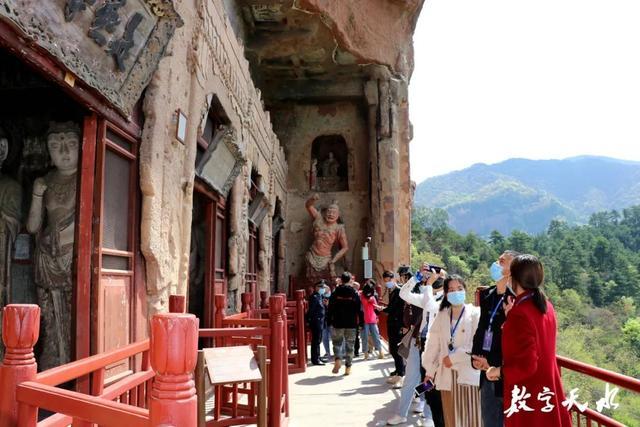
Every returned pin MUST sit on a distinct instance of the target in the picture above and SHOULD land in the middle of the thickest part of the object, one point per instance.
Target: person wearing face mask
(315, 319)
(529, 348)
(394, 327)
(487, 342)
(446, 356)
(426, 301)
(326, 329)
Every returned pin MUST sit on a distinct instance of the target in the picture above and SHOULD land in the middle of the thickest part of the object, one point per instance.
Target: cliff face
(373, 31)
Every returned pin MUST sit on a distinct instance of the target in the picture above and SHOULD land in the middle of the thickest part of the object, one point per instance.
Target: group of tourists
(346, 316)
(458, 364)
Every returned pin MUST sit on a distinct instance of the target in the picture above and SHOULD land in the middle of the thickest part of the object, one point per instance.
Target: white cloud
(496, 79)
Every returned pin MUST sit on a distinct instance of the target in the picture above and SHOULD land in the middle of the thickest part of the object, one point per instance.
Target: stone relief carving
(10, 219)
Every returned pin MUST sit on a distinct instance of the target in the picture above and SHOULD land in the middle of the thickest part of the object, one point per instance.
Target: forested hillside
(592, 278)
(522, 194)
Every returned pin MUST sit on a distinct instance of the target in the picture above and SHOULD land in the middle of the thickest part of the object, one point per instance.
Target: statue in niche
(10, 219)
(52, 220)
(313, 175)
(330, 167)
(320, 261)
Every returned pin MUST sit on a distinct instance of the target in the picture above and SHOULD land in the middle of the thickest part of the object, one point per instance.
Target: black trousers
(395, 336)
(433, 398)
(356, 346)
(316, 338)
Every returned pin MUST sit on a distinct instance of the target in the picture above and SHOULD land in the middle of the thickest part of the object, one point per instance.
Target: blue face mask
(496, 271)
(321, 291)
(327, 294)
(390, 285)
(456, 297)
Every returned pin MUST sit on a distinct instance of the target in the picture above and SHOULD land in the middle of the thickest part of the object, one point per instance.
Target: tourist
(487, 342)
(422, 304)
(344, 308)
(326, 330)
(315, 319)
(446, 357)
(356, 345)
(394, 327)
(370, 327)
(529, 349)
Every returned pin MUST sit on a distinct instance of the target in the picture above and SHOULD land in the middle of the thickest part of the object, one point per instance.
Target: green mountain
(521, 194)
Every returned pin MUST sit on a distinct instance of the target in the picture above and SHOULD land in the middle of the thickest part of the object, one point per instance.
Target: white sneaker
(392, 379)
(418, 407)
(395, 420)
(398, 384)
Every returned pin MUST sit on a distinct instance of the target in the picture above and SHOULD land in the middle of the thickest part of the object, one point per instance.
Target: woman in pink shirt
(369, 307)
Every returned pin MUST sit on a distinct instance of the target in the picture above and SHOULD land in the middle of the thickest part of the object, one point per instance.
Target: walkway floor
(362, 399)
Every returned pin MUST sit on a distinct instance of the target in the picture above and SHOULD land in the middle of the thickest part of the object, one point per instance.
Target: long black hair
(527, 272)
(453, 278)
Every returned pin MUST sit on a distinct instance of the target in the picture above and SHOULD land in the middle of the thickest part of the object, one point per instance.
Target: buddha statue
(52, 219)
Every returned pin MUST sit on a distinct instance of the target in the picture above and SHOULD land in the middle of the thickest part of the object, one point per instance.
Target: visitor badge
(488, 339)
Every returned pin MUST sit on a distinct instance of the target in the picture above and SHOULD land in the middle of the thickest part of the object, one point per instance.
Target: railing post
(300, 332)
(278, 352)
(285, 358)
(247, 302)
(220, 302)
(20, 331)
(174, 352)
(264, 299)
(177, 304)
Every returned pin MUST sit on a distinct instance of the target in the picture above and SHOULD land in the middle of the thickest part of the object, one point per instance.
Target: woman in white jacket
(446, 357)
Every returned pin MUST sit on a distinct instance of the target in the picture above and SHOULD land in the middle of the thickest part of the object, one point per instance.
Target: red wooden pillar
(247, 302)
(301, 336)
(278, 359)
(177, 304)
(20, 331)
(264, 299)
(174, 351)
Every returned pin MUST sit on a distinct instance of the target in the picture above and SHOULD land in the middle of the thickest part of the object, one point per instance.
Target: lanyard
(495, 310)
(453, 331)
(524, 298)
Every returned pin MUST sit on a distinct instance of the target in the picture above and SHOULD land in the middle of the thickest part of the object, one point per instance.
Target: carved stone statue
(52, 219)
(330, 166)
(313, 175)
(10, 202)
(326, 233)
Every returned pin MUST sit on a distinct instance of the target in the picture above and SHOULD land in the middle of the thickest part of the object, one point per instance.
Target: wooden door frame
(215, 203)
(104, 144)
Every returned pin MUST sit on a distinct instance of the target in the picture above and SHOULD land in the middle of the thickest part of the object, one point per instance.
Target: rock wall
(205, 61)
(298, 125)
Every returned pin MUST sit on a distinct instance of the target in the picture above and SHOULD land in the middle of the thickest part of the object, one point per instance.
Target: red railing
(159, 392)
(244, 328)
(159, 388)
(589, 417)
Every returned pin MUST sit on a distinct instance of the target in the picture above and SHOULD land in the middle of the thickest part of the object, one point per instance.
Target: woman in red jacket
(533, 392)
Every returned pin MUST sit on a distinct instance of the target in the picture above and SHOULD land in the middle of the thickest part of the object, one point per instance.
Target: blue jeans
(370, 328)
(490, 405)
(326, 339)
(412, 378)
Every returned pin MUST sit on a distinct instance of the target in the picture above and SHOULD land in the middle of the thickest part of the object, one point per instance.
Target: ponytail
(539, 300)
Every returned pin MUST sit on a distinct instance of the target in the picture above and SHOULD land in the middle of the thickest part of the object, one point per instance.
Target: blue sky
(497, 79)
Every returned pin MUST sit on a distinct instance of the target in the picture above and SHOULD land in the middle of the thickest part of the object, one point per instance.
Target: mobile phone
(435, 268)
(423, 388)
